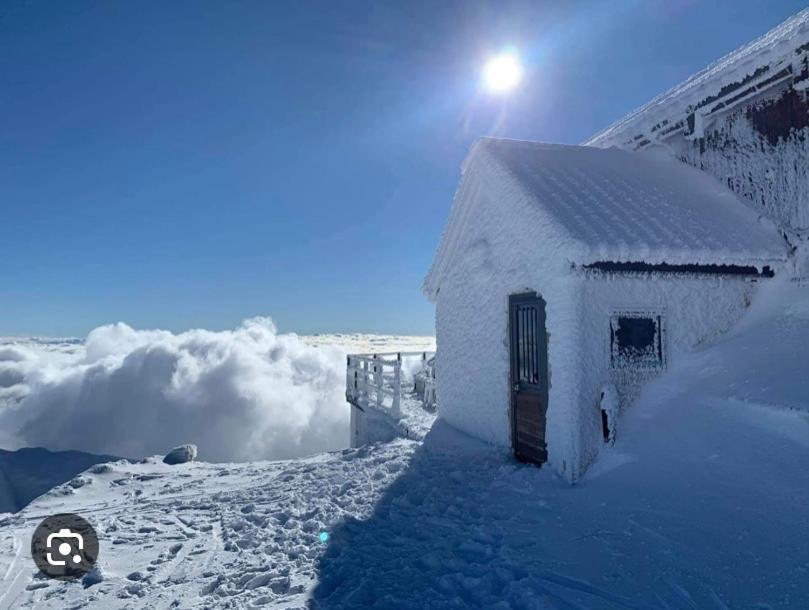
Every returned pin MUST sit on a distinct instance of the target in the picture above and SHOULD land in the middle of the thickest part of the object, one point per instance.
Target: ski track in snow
(201, 535)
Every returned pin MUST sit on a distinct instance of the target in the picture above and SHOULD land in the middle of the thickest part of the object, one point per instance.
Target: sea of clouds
(245, 394)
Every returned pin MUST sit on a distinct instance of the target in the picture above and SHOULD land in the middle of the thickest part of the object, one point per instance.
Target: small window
(636, 340)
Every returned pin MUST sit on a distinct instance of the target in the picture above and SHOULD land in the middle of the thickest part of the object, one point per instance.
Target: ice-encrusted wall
(695, 310)
(761, 152)
(496, 259)
(371, 426)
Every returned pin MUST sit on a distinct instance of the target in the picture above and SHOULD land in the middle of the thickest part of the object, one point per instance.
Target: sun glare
(502, 73)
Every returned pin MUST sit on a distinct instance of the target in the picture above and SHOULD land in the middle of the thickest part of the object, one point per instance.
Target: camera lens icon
(64, 546)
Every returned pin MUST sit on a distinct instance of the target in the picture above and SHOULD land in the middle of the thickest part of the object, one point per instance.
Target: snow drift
(245, 394)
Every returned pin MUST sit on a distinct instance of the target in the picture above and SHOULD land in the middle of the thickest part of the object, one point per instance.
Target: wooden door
(529, 376)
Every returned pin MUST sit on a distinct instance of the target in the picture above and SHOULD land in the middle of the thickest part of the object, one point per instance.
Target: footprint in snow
(136, 576)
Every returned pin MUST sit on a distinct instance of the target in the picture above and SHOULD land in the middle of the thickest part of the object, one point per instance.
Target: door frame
(542, 350)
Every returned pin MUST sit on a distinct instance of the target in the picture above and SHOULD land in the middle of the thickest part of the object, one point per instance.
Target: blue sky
(191, 164)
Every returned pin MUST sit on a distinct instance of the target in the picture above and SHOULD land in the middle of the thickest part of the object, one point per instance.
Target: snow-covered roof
(756, 64)
(613, 205)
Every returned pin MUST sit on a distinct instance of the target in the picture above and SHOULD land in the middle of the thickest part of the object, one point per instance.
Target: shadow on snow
(467, 526)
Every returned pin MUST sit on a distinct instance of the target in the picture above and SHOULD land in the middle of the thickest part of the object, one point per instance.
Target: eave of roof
(778, 55)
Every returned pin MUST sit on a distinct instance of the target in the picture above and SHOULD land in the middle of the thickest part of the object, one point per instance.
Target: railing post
(348, 377)
(397, 386)
(365, 381)
(378, 381)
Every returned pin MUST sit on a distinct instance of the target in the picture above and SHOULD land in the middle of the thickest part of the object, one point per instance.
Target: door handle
(516, 387)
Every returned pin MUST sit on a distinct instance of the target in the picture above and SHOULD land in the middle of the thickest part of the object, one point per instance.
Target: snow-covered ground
(201, 534)
(701, 503)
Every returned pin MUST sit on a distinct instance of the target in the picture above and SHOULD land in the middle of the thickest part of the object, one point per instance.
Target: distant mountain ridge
(28, 473)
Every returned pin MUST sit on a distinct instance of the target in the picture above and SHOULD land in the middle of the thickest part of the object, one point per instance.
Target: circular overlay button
(64, 546)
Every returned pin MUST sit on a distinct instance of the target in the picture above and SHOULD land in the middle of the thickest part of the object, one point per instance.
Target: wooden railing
(375, 380)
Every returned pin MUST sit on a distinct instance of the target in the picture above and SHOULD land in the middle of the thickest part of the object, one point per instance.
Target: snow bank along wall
(687, 310)
(744, 119)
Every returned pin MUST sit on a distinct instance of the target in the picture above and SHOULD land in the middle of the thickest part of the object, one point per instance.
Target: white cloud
(245, 394)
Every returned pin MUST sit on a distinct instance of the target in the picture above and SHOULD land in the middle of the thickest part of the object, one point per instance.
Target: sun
(502, 73)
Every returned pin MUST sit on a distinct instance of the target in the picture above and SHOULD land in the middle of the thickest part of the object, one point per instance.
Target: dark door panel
(529, 376)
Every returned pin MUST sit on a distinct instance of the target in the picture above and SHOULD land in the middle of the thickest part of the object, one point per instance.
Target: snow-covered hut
(569, 275)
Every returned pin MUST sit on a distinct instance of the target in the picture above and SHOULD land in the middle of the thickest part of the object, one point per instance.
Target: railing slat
(397, 389)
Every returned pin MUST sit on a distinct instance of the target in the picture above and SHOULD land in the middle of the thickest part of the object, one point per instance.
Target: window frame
(658, 317)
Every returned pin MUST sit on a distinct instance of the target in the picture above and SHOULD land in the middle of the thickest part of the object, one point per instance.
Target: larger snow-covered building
(569, 275)
(744, 119)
